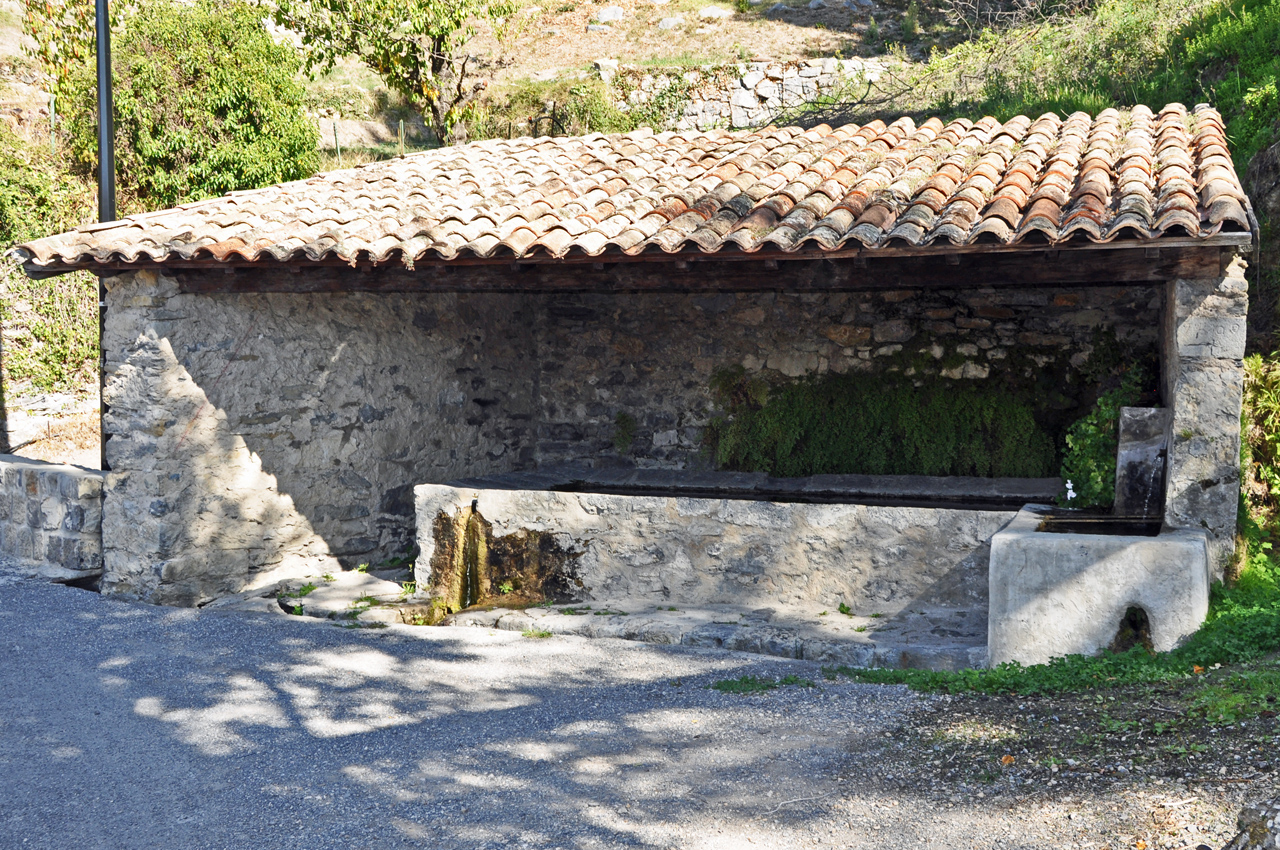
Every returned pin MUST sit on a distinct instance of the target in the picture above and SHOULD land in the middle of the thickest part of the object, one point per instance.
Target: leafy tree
(60, 36)
(416, 46)
(206, 102)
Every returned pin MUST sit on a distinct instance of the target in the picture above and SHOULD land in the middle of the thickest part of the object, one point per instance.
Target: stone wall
(254, 436)
(652, 356)
(748, 94)
(1204, 341)
(51, 513)
(653, 549)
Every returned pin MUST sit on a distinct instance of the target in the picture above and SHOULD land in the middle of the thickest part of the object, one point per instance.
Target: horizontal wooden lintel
(1049, 267)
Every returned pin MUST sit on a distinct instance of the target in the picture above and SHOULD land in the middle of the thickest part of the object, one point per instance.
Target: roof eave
(1239, 240)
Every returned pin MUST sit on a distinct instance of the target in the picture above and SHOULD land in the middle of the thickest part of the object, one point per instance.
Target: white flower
(1071, 494)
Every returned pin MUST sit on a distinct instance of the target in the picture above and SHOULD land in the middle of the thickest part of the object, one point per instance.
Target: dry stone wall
(749, 94)
(51, 513)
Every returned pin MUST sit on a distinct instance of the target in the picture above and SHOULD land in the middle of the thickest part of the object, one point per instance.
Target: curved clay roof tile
(644, 192)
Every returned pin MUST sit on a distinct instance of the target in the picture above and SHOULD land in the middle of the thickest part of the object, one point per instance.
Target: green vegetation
(417, 48)
(536, 633)
(624, 432)
(1260, 432)
(587, 106)
(910, 26)
(876, 425)
(300, 592)
(756, 685)
(52, 339)
(206, 103)
(1089, 463)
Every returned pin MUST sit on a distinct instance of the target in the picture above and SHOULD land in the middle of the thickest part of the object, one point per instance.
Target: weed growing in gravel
(535, 633)
(844, 609)
(756, 685)
(575, 612)
(744, 685)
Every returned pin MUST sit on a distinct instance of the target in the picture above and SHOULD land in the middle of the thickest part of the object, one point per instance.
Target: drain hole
(1135, 630)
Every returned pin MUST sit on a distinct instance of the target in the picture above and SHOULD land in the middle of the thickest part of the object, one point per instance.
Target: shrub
(850, 424)
(52, 325)
(36, 198)
(206, 102)
(1260, 430)
(1089, 463)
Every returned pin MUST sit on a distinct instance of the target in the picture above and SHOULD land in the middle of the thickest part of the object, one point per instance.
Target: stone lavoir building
(285, 365)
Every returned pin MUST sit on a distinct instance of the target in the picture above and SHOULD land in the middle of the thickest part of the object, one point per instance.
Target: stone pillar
(1203, 381)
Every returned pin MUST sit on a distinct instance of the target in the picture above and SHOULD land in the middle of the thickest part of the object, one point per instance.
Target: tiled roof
(1129, 175)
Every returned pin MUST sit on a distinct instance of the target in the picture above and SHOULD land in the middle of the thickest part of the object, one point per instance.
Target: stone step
(931, 639)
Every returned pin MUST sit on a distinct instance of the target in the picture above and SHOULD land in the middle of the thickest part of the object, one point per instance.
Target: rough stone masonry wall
(652, 356)
(51, 513)
(1204, 341)
(255, 436)
(670, 550)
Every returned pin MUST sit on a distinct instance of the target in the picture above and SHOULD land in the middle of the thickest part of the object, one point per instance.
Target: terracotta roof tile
(1134, 174)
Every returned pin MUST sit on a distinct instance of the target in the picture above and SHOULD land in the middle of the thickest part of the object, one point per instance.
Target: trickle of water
(1151, 489)
(471, 563)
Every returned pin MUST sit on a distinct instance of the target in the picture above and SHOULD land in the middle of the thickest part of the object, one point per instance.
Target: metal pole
(402, 137)
(106, 190)
(337, 147)
(106, 119)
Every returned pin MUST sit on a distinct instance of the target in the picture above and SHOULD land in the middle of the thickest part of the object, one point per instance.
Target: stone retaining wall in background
(51, 513)
(747, 94)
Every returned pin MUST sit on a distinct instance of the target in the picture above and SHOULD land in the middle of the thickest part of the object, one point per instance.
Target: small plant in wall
(624, 432)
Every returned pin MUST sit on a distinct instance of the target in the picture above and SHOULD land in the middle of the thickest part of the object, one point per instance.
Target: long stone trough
(867, 550)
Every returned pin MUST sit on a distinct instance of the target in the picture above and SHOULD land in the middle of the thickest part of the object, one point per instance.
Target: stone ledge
(51, 514)
(930, 639)
(882, 490)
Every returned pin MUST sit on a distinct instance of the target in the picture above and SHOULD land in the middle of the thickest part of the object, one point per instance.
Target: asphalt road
(132, 726)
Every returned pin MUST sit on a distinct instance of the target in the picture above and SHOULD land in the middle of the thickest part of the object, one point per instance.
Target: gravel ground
(130, 726)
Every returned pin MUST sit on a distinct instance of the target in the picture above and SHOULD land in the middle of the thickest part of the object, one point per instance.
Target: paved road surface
(131, 726)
